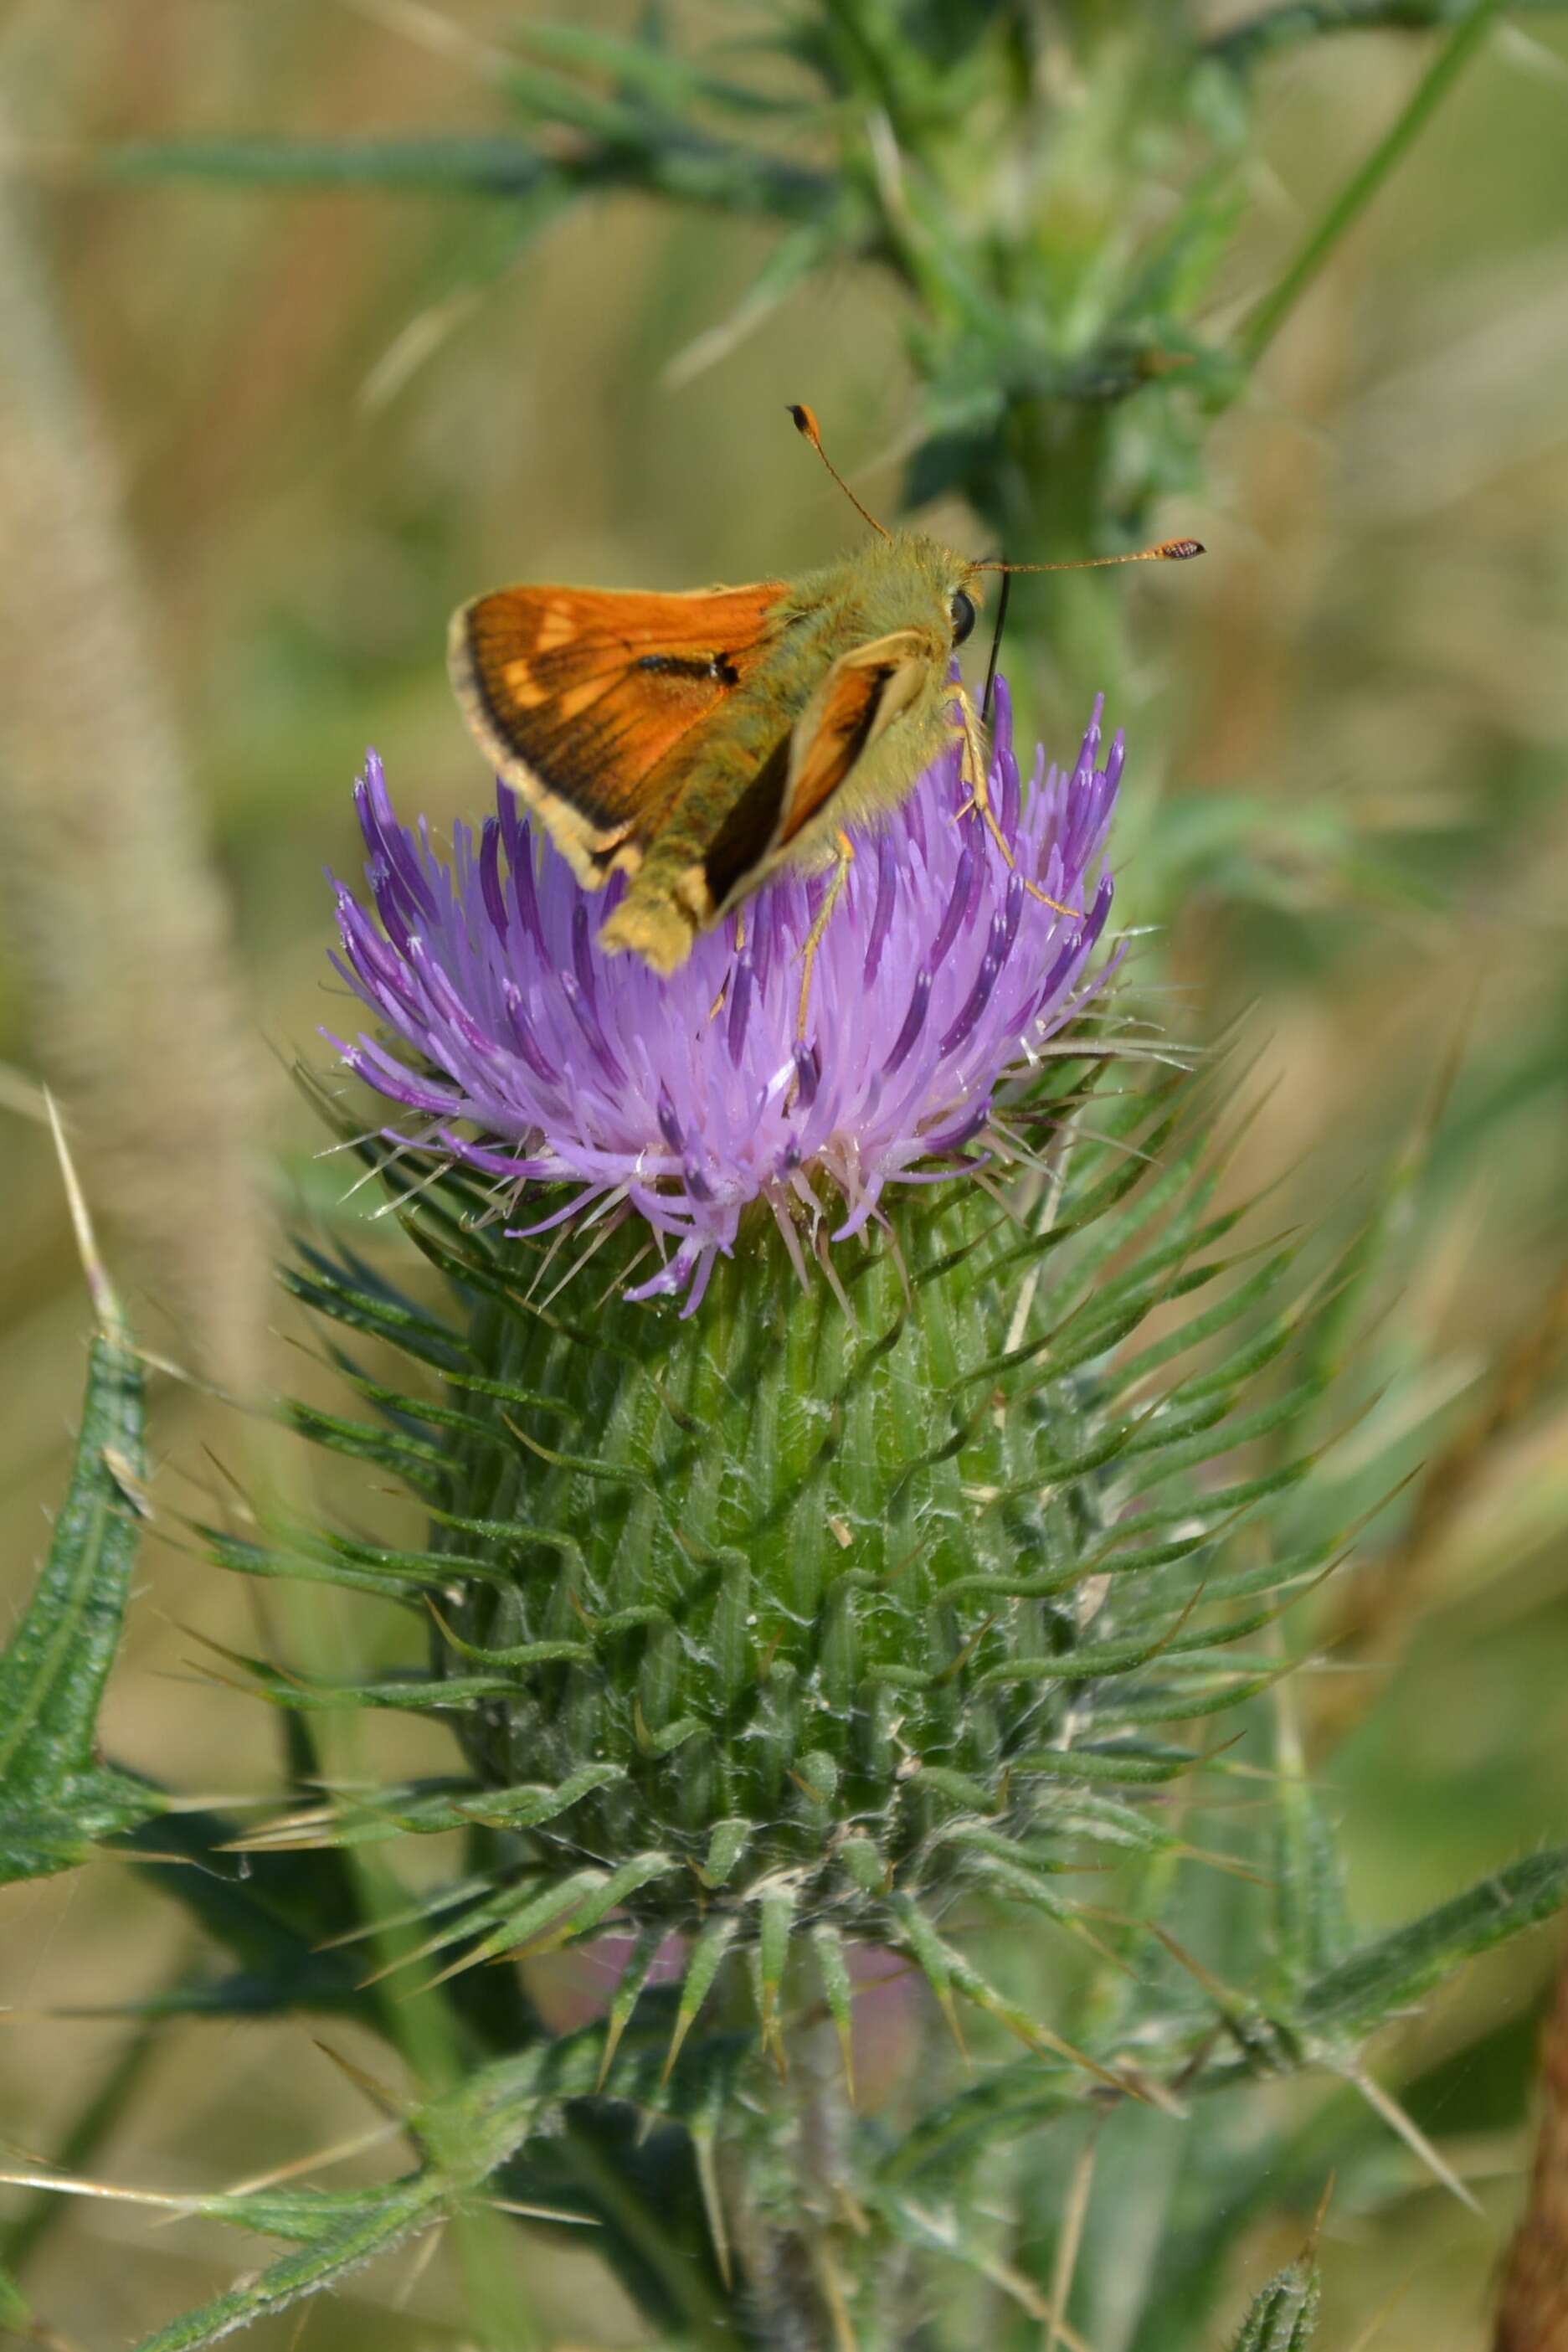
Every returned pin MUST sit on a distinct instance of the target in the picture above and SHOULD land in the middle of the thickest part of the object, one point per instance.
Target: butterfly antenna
(989, 695)
(806, 425)
(1169, 550)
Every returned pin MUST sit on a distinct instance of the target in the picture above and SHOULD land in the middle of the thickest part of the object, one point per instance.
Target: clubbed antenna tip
(804, 420)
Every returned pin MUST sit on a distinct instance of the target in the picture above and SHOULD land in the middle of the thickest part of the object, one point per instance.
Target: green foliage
(819, 1577)
(1474, 22)
(811, 1624)
(1375, 1982)
(1065, 374)
(13, 2312)
(277, 1915)
(462, 2139)
(57, 1800)
(947, 1622)
(1281, 2318)
(465, 2141)
(1057, 333)
(1291, 22)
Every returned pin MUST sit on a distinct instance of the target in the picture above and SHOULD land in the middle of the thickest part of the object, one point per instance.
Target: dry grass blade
(1533, 2306)
(124, 957)
(1379, 1606)
(1075, 2211)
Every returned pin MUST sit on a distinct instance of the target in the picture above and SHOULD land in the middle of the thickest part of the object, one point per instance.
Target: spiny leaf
(1178, 1699)
(55, 1799)
(417, 1811)
(650, 70)
(379, 2225)
(931, 1955)
(348, 1291)
(1282, 2317)
(317, 1556)
(465, 2136)
(1134, 1764)
(511, 1535)
(413, 1691)
(1311, 1926)
(1193, 1329)
(641, 1870)
(727, 1843)
(613, 146)
(518, 1924)
(457, 165)
(1220, 1502)
(1082, 1814)
(628, 1992)
(839, 1993)
(1384, 1976)
(707, 1960)
(1109, 1658)
(422, 1466)
(520, 1653)
(778, 1907)
(247, 1558)
(1013, 2100)
(947, 1971)
(406, 1412)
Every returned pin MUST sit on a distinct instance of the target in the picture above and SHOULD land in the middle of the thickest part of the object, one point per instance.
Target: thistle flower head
(533, 1058)
(782, 1629)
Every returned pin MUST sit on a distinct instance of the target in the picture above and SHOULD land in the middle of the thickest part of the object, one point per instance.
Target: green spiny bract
(808, 1617)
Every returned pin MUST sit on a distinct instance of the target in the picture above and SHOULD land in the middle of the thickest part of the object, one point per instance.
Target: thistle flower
(774, 1630)
(536, 1060)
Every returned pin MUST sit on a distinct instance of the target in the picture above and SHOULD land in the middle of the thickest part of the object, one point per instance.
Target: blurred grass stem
(1533, 2306)
(1248, 44)
(1366, 180)
(125, 955)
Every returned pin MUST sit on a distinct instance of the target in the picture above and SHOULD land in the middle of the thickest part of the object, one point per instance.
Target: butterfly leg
(981, 800)
(843, 858)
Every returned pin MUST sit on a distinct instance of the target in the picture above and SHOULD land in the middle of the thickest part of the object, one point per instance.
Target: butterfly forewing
(578, 695)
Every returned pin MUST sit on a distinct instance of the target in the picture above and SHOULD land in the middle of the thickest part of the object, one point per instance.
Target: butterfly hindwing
(577, 695)
(862, 693)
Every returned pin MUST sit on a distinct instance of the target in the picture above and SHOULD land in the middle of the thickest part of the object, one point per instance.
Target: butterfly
(698, 743)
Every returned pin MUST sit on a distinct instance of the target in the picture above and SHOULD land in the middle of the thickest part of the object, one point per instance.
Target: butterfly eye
(963, 612)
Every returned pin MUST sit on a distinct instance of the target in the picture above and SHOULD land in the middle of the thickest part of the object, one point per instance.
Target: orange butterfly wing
(577, 695)
(794, 794)
(862, 693)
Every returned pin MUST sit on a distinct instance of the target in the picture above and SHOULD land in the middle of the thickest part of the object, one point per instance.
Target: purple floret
(533, 1059)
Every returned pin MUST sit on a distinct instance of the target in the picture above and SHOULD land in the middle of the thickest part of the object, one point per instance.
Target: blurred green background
(295, 428)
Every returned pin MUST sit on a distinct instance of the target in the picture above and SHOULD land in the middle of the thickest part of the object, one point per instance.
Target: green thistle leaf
(55, 1799)
(1371, 1984)
(1282, 2318)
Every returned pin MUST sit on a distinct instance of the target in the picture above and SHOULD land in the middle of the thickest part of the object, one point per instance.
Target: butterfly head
(911, 581)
